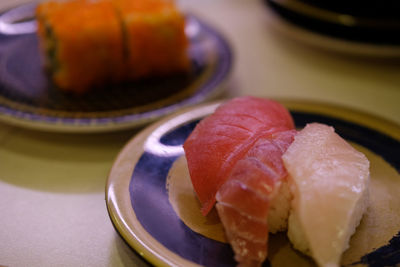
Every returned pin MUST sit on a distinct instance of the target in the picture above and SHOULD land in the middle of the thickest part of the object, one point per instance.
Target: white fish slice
(329, 180)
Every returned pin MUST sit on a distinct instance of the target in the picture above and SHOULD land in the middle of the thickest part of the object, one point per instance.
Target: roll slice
(82, 42)
(154, 36)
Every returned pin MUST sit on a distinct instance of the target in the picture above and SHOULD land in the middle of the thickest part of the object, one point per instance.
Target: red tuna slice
(244, 201)
(224, 137)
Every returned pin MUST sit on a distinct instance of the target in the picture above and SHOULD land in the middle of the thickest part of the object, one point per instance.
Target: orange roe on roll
(94, 43)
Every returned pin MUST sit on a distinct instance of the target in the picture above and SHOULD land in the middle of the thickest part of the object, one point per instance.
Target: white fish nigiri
(329, 181)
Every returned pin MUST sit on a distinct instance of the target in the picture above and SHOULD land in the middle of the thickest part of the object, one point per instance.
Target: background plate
(137, 198)
(29, 99)
(340, 26)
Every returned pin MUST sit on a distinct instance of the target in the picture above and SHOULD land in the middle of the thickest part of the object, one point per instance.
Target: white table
(52, 202)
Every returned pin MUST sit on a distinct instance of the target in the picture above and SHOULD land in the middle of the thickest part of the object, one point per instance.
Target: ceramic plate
(28, 99)
(339, 26)
(141, 207)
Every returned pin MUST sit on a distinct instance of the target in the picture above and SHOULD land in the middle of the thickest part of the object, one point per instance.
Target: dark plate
(374, 22)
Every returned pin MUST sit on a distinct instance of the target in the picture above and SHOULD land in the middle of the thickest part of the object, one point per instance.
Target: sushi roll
(154, 37)
(82, 43)
(93, 43)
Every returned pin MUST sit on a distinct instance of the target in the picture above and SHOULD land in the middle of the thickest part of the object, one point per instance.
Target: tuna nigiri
(329, 181)
(234, 157)
(221, 139)
(255, 199)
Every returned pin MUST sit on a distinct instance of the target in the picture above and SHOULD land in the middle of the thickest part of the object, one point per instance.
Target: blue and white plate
(29, 99)
(139, 201)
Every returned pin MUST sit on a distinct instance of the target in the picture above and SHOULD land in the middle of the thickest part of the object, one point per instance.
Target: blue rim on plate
(28, 98)
(137, 198)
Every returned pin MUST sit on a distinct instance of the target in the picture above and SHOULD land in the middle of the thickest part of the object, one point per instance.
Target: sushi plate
(332, 26)
(154, 209)
(29, 99)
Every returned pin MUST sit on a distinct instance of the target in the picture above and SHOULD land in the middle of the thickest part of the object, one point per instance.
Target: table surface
(52, 186)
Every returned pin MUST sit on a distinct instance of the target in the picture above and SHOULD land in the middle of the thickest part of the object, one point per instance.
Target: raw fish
(221, 139)
(329, 181)
(245, 200)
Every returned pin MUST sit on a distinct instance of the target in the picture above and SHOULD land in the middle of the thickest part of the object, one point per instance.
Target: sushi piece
(154, 37)
(223, 138)
(266, 177)
(93, 43)
(234, 158)
(329, 181)
(82, 43)
(255, 199)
